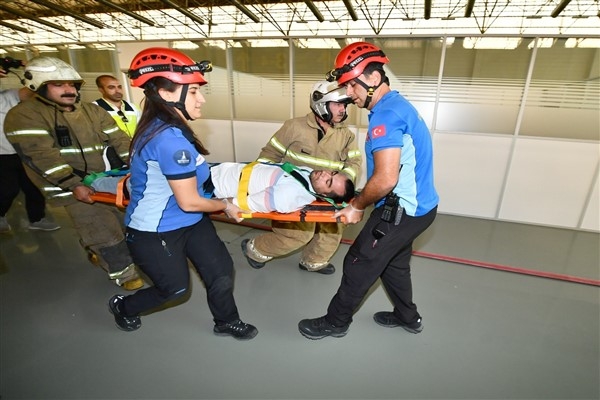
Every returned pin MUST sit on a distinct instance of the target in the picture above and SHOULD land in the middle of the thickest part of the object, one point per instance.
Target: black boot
(123, 322)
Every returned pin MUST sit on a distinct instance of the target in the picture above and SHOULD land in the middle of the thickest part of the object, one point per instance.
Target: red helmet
(168, 63)
(352, 60)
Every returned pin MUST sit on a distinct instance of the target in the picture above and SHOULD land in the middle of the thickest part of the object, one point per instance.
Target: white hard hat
(324, 92)
(41, 70)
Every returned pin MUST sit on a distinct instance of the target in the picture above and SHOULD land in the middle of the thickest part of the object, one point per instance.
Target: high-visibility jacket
(297, 142)
(126, 117)
(36, 128)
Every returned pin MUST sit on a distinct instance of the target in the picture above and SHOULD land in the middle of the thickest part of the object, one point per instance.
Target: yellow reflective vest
(126, 118)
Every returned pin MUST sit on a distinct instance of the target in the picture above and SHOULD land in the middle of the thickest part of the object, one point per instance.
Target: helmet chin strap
(180, 105)
(330, 114)
(370, 90)
(325, 118)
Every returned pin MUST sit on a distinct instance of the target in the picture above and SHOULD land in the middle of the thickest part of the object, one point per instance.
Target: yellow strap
(242, 195)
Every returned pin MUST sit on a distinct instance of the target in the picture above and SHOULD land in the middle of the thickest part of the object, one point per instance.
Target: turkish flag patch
(378, 131)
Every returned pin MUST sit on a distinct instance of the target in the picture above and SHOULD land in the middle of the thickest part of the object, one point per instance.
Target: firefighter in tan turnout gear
(60, 141)
(318, 140)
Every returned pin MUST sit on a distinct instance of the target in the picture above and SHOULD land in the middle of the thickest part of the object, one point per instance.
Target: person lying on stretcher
(271, 187)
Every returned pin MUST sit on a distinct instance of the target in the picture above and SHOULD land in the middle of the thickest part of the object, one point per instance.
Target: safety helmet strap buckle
(370, 90)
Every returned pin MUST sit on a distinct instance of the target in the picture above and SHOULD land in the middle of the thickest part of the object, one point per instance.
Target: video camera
(8, 62)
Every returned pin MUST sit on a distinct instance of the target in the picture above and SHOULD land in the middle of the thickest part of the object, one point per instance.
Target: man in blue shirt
(399, 158)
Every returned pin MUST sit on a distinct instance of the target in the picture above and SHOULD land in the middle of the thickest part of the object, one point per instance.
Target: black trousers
(14, 178)
(163, 257)
(387, 258)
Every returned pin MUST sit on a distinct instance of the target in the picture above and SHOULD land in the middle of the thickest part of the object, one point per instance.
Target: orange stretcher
(317, 211)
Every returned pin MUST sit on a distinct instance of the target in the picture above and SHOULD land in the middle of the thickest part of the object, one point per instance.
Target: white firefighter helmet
(322, 93)
(41, 70)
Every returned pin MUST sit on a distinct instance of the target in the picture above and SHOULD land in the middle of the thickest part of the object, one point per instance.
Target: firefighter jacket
(59, 147)
(297, 142)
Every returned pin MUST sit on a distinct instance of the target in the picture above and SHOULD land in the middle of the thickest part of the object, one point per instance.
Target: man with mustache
(60, 141)
(318, 140)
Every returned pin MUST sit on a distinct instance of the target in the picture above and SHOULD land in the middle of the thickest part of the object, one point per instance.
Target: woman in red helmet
(165, 218)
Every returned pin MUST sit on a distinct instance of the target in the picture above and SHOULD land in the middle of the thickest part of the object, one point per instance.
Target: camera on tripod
(8, 62)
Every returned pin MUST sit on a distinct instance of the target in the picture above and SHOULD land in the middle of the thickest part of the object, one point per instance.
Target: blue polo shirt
(394, 122)
(170, 155)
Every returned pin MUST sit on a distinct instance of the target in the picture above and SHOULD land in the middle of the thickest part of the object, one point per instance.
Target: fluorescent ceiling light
(583, 42)
(325, 43)
(491, 43)
(184, 45)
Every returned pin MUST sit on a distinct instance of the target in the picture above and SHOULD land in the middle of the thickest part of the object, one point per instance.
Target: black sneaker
(389, 320)
(326, 270)
(319, 328)
(254, 264)
(124, 323)
(237, 329)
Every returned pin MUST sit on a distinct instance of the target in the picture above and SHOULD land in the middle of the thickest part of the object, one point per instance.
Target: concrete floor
(488, 334)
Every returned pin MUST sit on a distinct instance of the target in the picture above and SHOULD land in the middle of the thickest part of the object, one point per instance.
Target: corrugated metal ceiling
(34, 22)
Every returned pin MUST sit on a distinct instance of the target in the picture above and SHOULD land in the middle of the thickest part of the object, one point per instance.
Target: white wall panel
(250, 138)
(474, 118)
(426, 109)
(260, 98)
(217, 137)
(549, 182)
(469, 170)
